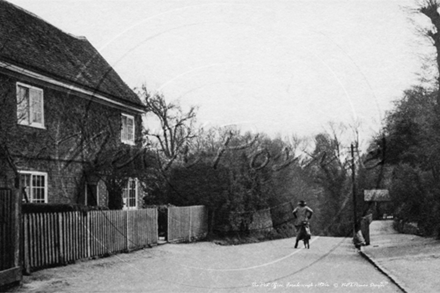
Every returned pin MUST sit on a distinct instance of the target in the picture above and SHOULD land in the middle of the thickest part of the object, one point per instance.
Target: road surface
(331, 265)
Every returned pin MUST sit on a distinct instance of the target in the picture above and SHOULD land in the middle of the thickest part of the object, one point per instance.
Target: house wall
(77, 131)
(6, 174)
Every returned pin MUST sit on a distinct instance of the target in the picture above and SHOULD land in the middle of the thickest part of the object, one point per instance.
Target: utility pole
(353, 178)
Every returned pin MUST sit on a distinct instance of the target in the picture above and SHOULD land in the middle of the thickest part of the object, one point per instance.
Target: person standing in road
(301, 213)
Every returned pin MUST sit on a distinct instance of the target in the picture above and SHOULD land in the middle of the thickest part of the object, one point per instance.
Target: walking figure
(302, 214)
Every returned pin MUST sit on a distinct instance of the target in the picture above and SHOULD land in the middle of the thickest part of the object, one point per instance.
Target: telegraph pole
(353, 178)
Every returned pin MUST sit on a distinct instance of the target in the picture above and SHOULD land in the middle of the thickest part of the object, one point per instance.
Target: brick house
(67, 118)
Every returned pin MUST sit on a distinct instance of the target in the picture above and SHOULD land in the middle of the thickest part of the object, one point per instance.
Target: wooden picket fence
(60, 238)
(187, 224)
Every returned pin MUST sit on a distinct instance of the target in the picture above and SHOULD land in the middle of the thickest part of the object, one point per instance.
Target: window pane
(127, 130)
(26, 183)
(132, 188)
(38, 181)
(37, 188)
(23, 105)
(38, 194)
(36, 99)
(132, 184)
(124, 134)
(130, 124)
(125, 192)
(132, 202)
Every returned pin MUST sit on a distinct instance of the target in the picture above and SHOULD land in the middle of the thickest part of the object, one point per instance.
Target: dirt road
(331, 265)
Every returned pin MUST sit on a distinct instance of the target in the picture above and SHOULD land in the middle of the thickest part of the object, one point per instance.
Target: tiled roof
(31, 43)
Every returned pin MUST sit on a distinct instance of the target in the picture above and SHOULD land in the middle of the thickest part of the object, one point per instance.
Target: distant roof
(33, 44)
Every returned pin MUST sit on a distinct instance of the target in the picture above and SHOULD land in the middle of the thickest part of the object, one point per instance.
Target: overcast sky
(279, 67)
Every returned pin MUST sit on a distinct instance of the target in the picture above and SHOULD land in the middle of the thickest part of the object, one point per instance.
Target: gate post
(11, 271)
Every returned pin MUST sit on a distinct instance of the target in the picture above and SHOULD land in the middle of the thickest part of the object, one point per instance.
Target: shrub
(28, 208)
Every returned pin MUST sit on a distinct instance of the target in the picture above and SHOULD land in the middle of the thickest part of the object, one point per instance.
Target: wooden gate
(186, 224)
(10, 215)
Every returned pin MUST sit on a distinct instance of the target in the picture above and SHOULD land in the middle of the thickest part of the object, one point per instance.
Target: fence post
(127, 240)
(88, 233)
(190, 224)
(27, 266)
(60, 237)
(18, 228)
(168, 224)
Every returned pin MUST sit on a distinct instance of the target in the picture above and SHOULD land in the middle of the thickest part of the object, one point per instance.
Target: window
(127, 131)
(35, 185)
(30, 105)
(130, 194)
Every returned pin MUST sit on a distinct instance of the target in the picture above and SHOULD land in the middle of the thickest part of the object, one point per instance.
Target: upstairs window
(30, 105)
(35, 186)
(127, 130)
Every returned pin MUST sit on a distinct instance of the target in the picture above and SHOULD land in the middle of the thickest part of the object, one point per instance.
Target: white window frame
(125, 191)
(29, 105)
(30, 192)
(124, 139)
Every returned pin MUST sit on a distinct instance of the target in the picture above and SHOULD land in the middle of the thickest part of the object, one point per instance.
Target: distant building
(65, 114)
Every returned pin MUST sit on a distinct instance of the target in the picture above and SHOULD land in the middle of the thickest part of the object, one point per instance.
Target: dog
(304, 235)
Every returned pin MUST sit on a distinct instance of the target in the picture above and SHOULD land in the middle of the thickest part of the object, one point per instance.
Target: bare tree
(177, 128)
(430, 9)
